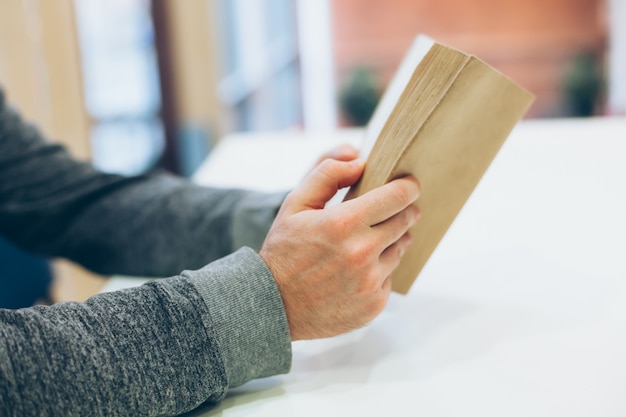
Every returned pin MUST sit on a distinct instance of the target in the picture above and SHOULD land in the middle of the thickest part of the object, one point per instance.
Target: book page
(418, 50)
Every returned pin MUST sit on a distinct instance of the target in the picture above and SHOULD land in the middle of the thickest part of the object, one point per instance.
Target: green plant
(359, 96)
(582, 85)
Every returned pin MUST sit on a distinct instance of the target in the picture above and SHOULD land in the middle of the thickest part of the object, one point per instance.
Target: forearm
(160, 226)
(159, 349)
(150, 225)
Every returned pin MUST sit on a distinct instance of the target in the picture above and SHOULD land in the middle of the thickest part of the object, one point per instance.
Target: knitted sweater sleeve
(153, 225)
(159, 349)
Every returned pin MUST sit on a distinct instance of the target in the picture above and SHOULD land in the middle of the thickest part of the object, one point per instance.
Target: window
(121, 85)
(261, 76)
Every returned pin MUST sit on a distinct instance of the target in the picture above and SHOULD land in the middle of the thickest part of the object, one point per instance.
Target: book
(442, 119)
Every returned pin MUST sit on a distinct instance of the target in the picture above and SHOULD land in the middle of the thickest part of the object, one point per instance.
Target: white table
(521, 311)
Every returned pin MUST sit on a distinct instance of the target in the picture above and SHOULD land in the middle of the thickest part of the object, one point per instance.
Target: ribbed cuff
(252, 218)
(247, 314)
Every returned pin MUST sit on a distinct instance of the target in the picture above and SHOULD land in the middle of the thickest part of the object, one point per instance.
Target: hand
(333, 265)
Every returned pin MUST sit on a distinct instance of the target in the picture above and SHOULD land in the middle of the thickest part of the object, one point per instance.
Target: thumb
(324, 182)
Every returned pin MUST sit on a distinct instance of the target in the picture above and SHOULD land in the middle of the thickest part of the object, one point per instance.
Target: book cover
(443, 118)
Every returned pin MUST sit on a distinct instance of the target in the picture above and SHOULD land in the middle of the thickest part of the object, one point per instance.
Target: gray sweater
(159, 349)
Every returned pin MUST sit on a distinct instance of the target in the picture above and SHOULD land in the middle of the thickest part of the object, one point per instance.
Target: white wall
(617, 57)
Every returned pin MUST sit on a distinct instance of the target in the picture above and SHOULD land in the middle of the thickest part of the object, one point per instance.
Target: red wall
(531, 41)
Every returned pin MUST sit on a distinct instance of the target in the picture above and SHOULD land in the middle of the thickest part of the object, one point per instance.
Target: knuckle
(378, 304)
(401, 193)
(329, 167)
(412, 215)
(369, 283)
(339, 224)
(398, 250)
(417, 213)
(290, 198)
(408, 218)
(360, 253)
(372, 286)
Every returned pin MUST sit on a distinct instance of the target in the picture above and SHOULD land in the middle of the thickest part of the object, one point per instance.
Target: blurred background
(137, 85)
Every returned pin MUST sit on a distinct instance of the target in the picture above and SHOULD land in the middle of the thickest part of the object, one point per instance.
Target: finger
(381, 297)
(344, 152)
(323, 183)
(381, 203)
(390, 258)
(386, 287)
(396, 226)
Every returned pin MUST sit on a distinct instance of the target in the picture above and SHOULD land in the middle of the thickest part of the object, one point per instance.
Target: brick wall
(531, 41)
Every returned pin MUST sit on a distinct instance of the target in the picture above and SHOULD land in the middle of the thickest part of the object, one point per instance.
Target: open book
(442, 119)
